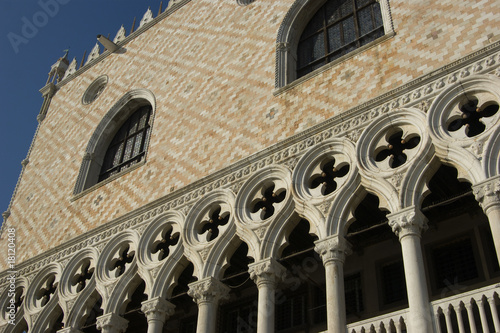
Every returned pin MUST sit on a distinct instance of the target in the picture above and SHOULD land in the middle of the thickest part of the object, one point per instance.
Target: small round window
(95, 89)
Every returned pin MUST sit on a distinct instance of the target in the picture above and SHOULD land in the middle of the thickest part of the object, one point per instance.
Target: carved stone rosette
(487, 193)
(409, 221)
(112, 323)
(158, 309)
(208, 290)
(334, 248)
(267, 271)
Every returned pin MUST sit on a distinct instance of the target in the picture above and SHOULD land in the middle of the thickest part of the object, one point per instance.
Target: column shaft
(408, 225)
(333, 251)
(335, 297)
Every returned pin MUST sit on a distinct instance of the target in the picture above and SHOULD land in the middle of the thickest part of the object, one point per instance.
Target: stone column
(266, 274)
(408, 224)
(112, 323)
(207, 293)
(487, 193)
(333, 251)
(157, 311)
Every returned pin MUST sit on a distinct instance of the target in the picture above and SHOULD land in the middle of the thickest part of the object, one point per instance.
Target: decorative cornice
(158, 309)
(208, 290)
(112, 323)
(267, 271)
(173, 7)
(408, 221)
(286, 152)
(333, 249)
(487, 193)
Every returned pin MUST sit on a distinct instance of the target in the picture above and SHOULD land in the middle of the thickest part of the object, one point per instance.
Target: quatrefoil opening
(121, 261)
(213, 223)
(47, 290)
(82, 277)
(266, 201)
(471, 115)
(396, 149)
(327, 176)
(167, 239)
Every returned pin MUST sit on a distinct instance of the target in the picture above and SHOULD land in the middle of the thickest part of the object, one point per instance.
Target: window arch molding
(104, 133)
(290, 31)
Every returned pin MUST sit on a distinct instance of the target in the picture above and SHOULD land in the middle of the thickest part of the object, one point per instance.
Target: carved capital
(332, 249)
(158, 309)
(409, 221)
(267, 271)
(487, 193)
(88, 156)
(111, 323)
(283, 47)
(208, 290)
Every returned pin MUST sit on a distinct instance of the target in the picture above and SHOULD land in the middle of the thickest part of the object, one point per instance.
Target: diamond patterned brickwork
(211, 67)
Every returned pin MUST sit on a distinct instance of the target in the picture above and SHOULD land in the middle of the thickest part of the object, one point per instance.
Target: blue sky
(33, 35)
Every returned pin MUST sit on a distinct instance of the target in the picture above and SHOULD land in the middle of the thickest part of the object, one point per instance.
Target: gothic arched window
(128, 146)
(337, 28)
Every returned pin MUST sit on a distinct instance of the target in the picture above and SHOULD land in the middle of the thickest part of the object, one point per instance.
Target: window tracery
(128, 145)
(337, 28)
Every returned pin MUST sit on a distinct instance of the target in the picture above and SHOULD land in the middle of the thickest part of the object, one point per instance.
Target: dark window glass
(188, 326)
(337, 28)
(454, 263)
(393, 282)
(353, 294)
(291, 311)
(128, 145)
(239, 318)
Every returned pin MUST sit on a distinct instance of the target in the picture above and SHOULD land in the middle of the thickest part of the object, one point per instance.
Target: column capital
(158, 308)
(111, 323)
(267, 271)
(487, 193)
(208, 290)
(333, 248)
(408, 221)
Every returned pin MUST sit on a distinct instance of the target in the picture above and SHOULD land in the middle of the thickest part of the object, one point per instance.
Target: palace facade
(266, 166)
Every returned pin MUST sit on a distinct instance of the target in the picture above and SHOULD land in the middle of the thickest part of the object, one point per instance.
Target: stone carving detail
(158, 309)
(282, 47)
(477, 148)
(291, 163)
(208, 290)
(112, 322)
(354, 135)
(417, 94)
(334, 248)
(204, 253)
(488, 193)
(424, 106)
(261, 232)
(148, 17)
(71, 68)
(267, 271)
(396, 180)
(409, 221)
(324, 207)
(93, 54)
(120, 35)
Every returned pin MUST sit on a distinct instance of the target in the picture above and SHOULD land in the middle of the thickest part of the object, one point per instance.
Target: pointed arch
(95, 152)
(290, 30)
